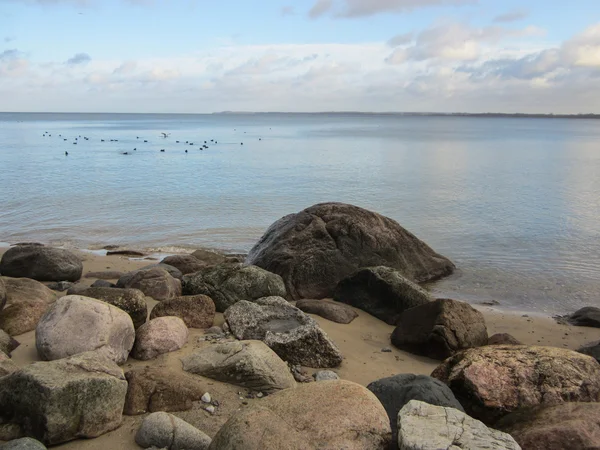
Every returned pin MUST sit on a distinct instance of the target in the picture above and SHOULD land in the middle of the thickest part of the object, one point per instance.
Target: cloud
(320, 8)
(127, 67)
(400, 39)
(363, 8)
(288, 11)
(13, 63)
(511, 16)
(79, 58)
(8, 39)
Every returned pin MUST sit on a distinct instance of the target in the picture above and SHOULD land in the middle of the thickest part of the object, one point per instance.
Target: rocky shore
(321, 338)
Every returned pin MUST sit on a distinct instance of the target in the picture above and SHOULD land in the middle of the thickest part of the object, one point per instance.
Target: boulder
(7, 366)
(585, 317)
(325, 375)
(41, 263)
(592, 349)
(165, 431)
(395, 392)
(103, 284)
(318, 247)
(331, 311)
(250, 364)
(77, 324)
(493, 381)
(132, 301)
(329, 415)
(558, 427)
(173, 271)
(209, 258)
(503, 339)
(227, 284)
(382, 292)
(23, 444)
(54, 402)
(293, 335)
(197, 311)
(158, 336)
(7, 343)
(184, 263)
(60, 286)
(156, 283)
(153, 389)
(2, 294)
(26, 302)
(440, 328)
(422, 426)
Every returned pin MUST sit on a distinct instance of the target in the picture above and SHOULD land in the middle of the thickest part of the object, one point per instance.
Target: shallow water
(514, 203)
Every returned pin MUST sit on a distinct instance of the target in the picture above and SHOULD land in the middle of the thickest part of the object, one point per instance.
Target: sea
(514, 202)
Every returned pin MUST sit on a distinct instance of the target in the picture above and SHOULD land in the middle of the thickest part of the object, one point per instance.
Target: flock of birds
(203, 146)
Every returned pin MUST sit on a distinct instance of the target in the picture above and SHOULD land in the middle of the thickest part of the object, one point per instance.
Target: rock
(23, 444)
(331, 311)
(325, 375)
(206, 398)
(592, 349)
(214, 330)
(54, 402)
(184, 263)
(60, 286)
(132, 301)
(227, 284)
(559, 427)
(585, 317)
(382, 292)
(7, 366)
(422, 426)
(41, 263)
(103, 284)
(503, 339)
(124, 253)
(493, 381)
(338, 239)
(2, 294)
(208, 257)
(211, 409)
(76, 324)
(250, 364)
(197, 311)
(440, 328)
(173, 271)
(289, 332)
(158, 336)
(27, 301)
(153, 389)
(166, 431)
(395, 392)
(156, 283)
(325, 416)
(105, 275)
(7, 343)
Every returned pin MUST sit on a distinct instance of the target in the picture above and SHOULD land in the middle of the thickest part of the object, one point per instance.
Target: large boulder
(250, 364)
(23, 444)
(493, 381)
(197, 311)
(41, 263)
(382, 292)
(132, 301)
(227, 284)
(164, 431)
(503, 339)
(77, 397)
(293, 335)
(592, 349)
(158, 336)
(209, 257)
(77, 324)
(26, 302)
(329, 310)
(318, 247)
(440, 328)
(156, 283)
(7, 366)
(2, 294)
(422, 426)
(585, 317)
(558, 427)
(395, 392)
(329, 415)
(173, 271)
(7, 343)
(184, 263)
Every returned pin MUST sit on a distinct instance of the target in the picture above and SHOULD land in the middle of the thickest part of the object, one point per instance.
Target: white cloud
(511, 16)
(79, 58)
(362, 8)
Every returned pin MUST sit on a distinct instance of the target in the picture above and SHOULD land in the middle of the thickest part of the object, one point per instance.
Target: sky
(203, 56)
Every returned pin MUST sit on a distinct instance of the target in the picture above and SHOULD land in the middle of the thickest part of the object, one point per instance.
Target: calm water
(515, 203)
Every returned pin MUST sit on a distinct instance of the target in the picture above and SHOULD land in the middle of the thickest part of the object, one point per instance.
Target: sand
(360, 342)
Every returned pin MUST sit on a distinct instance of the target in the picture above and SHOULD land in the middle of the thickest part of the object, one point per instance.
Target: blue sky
(310, 55)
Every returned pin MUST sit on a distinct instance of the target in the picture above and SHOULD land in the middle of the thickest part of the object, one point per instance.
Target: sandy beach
(361, 342)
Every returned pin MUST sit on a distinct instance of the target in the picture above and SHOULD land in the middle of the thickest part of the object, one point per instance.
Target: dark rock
(289, 332)
(7, 343)
(440, 328)
(125, 253)
(41, 264)
(585, 317)
(382, 292)
(197, 311)
(106, 275)
(184, 263)
(591, 349)
(209, 257)
(227, 284)
(103, 284)
(60, 286)
(395, 392)
(503, 339)
(2, 294)
(173, 271)
(132, 301)
(338, 239)
(23, 444)
(331, 311)
(156, 283)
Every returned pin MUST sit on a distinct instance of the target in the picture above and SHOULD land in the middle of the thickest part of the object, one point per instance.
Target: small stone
(210, 409)
(260, 395)
(325, 375)
(386, 350)
(206, 398)
(214, 330)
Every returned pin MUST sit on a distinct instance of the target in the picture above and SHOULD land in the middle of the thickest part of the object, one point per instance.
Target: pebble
(206, 398)
(386, 350)
(210, 409)
(260, 395)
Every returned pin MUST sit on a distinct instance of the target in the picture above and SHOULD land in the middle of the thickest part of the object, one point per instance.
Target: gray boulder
(60, 286)
(197, 311)
(155, 282)
(422, 426)
(227, 284)
(27, 301)
(209, 257)
(250, 364)
(132, 301)
(440, 328)
(2, 294)
(54, 402)
(184, 263)
(292, 334)
(7, 366)
(395, 392)
(173, 271)
(165, 431)
(382, 292)
(7, 343)
(335, 312)
(77, 324)
(338, 239)
(592, 349)
(158, 336)
(103, 284)
(23, 444)
(503, 339)
(41, 263)
(325, 375)
(585, 317)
